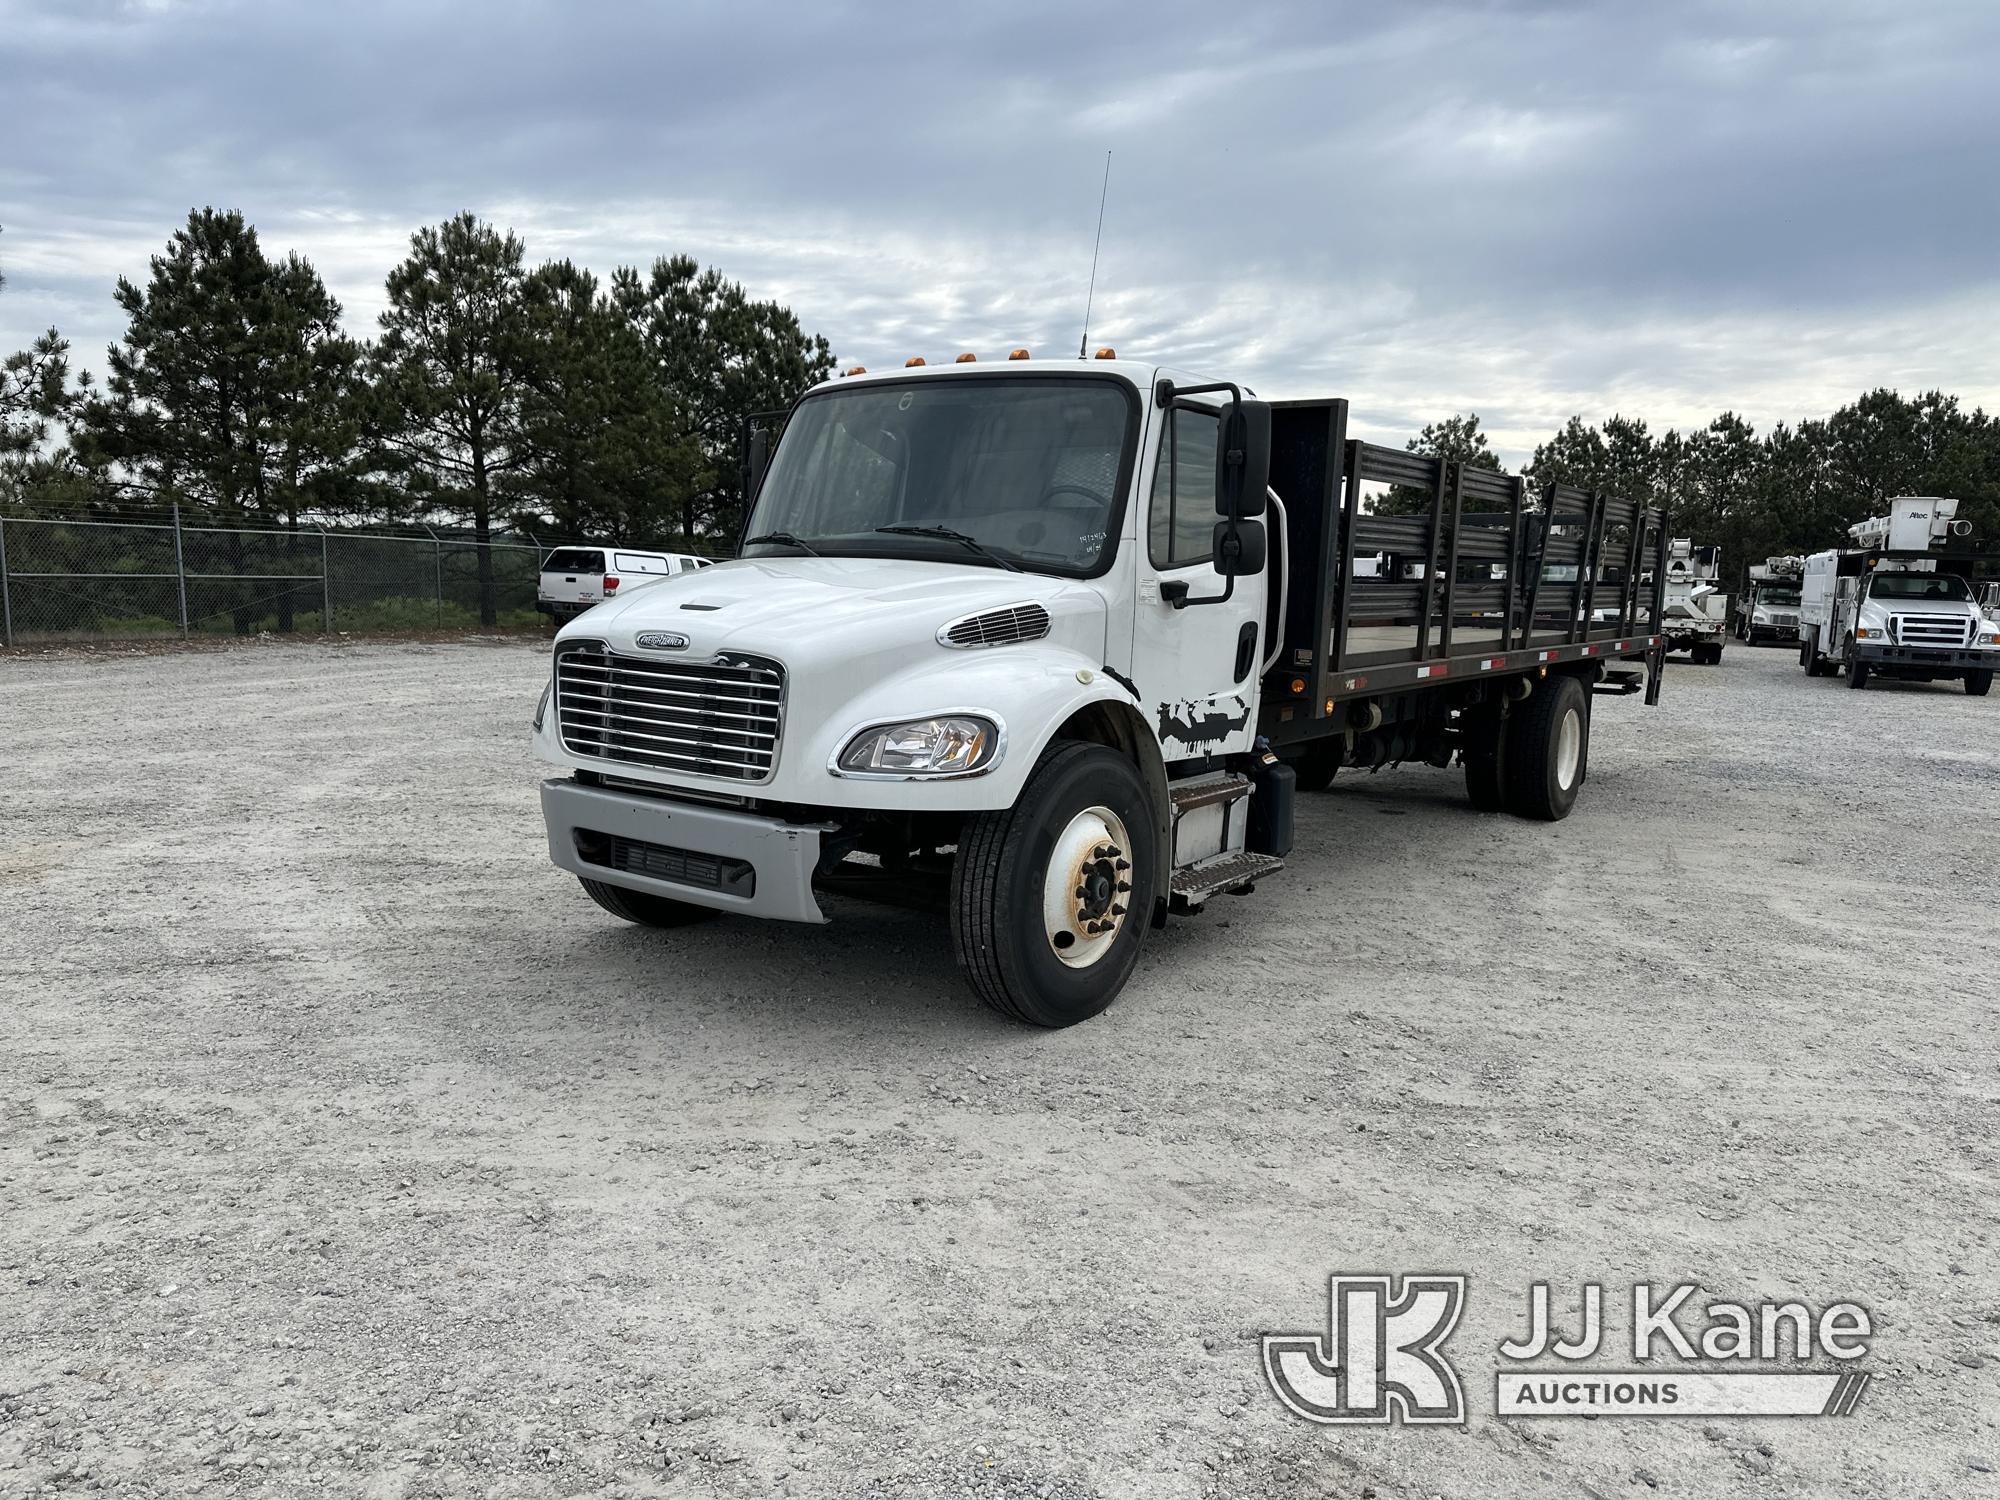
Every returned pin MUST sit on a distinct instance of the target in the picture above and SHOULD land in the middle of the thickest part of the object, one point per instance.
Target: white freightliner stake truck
(1048, 645)
(1902, 603)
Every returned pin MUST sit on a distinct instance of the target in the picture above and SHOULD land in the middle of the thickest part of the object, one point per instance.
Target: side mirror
(1239, 548)
(1243, 461)
(757, 460)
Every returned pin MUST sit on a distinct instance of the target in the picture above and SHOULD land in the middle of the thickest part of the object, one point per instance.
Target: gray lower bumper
(1926, 658)
(781, 856)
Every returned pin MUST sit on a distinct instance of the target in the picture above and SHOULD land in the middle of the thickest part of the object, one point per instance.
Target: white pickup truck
(1049, 645)
(1901, 603)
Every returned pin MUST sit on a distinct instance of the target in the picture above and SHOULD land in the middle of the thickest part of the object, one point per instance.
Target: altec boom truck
(1048, 645)
(1697, 611)
(1902, 602)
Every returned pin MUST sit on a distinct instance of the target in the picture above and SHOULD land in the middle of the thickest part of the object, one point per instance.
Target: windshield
(1929, 586)
(1029, 467)
(1780, 597)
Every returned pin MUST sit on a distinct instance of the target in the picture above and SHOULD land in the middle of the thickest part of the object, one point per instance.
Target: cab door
(1196, 666)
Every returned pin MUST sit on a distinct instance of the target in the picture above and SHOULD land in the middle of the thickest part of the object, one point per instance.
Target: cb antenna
(1083, 343)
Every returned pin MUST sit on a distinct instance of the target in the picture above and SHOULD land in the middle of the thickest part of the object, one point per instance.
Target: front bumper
(1926, 658)
(685, 851)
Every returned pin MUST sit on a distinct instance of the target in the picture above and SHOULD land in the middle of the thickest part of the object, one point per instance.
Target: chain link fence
(170, 575)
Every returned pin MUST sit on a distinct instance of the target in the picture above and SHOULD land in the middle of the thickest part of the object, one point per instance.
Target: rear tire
(1547, 750)
(1315, 769)
(1031, 948)
(1484, 756)
(645, 908)
(1979, 682)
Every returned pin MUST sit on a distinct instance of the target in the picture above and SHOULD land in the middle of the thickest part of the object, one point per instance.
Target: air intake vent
(997, 627)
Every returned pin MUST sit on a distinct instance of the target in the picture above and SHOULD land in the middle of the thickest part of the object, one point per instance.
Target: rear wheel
(1546, 752)
(645, 908)
(1314, 770)
(1979, 682)
(1051, 897)
(1483, 755)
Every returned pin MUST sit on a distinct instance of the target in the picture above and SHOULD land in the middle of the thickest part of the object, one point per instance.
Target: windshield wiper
(946, 534)
(782, 539)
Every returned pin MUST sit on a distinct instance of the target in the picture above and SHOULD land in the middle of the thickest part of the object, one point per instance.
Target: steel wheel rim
(1569, 749)
(1087, 888)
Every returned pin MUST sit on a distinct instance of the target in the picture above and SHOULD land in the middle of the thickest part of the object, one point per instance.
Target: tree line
(493, 394)
(1795, 489)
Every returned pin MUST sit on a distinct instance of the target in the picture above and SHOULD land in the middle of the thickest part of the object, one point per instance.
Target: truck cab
(1043, 643)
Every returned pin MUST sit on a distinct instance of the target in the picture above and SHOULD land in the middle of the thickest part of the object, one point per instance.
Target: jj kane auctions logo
(1382, 1357)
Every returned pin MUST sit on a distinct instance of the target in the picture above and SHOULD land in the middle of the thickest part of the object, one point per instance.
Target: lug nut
(1123, 864)
(1117, 911)
(1124, 886)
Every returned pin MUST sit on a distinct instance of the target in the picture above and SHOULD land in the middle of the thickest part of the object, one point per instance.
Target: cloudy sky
(1524, 209)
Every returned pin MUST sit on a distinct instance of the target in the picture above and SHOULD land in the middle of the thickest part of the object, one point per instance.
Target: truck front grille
(715, 718)
(1933, 630)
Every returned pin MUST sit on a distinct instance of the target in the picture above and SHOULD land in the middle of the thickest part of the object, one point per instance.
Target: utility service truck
(1048, 646)
(1901, 602)
(1697, 611)
(1769, 608)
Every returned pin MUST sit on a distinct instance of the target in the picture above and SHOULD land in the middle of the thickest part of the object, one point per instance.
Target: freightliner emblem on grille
(660, 640)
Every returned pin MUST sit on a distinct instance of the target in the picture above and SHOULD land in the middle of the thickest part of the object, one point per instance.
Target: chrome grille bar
(721, 718)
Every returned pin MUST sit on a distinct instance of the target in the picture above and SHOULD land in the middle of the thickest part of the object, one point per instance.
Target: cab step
(1206, 791)
(1222, 872)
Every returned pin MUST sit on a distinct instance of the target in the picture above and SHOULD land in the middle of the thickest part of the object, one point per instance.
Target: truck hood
(854, 613)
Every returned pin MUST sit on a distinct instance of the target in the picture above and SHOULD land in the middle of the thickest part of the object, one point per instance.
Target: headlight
(1989, 637)
(542, 707)
(950, 745)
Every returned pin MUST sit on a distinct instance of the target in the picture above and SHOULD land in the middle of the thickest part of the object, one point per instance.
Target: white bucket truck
(1049, 646)
(1769, 608)
(1697, 609)
(1900, 603)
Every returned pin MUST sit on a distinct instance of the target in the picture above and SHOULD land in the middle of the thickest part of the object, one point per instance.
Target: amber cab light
(966, 359)
(1020, 354)
(913, 361)
(1107, 352)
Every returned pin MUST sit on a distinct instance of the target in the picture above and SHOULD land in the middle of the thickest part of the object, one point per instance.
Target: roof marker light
(1107, 352)
(913, 361)
(966, 359)
(1020, 354)
(856, 370)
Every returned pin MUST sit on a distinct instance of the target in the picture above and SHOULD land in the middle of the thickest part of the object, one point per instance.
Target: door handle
(1246, 649)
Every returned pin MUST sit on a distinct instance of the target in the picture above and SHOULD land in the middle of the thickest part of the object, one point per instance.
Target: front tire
(1051, 897)
(645, 908)
(1979, 682)
(1857, 669)
(1547, 750)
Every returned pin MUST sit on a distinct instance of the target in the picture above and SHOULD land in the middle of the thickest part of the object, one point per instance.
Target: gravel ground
(348, 1149)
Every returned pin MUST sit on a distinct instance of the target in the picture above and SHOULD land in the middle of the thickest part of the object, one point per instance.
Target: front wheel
(645, 908)
(1051, 897)
(1857, 669)
(1979, 682)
